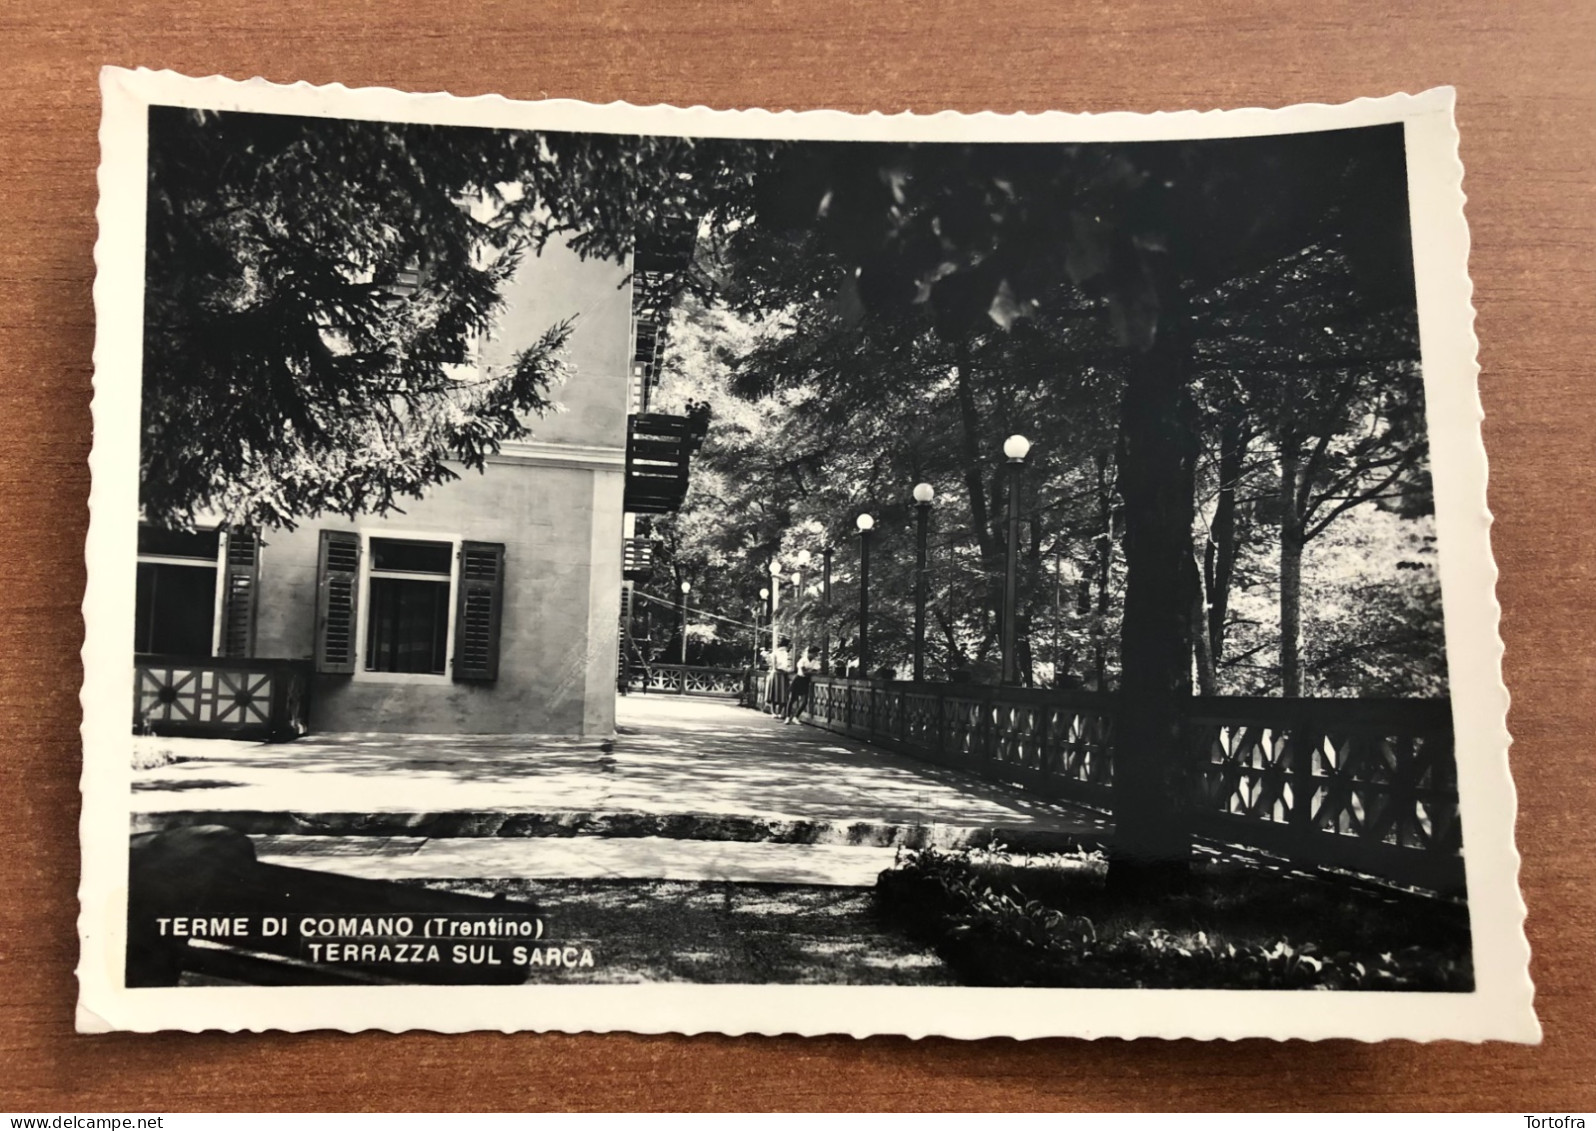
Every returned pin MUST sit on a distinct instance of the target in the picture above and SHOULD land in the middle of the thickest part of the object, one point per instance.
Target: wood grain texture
(1527, 112)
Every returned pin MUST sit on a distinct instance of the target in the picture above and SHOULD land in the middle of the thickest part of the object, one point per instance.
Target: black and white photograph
(937, 562)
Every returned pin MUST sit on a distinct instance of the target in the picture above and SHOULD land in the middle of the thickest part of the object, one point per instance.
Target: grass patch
(718, 932)
(1004, 919)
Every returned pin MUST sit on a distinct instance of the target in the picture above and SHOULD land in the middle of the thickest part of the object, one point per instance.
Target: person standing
(782, 671)
(802, 685)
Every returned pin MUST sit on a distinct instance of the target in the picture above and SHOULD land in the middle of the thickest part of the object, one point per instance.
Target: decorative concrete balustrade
(679, 679)
(1364, 784)
(221, 698)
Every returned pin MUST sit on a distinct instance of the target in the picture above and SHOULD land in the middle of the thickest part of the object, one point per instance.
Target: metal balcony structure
(637, 559)
(659, 449)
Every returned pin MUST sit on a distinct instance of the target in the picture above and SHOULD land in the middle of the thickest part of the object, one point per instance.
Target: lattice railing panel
(220, 697)
(1018, 734)
(966, 722)
(677, 679)
(922, 720)
(1308, 775)
(826, 703)
(1078, 745)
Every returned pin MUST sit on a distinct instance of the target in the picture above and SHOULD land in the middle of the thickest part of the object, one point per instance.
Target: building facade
(488, 606)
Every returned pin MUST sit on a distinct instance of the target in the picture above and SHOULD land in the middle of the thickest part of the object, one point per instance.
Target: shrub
(975, 909)
(151, 753)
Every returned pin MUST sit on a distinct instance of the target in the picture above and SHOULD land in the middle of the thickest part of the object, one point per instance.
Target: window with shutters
(407, 606)
(196, 592)
(175, 598)
(476, 653)
(337, 601)
(396, 607)
(235, 634)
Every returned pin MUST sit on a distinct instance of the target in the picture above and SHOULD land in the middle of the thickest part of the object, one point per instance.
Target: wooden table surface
(1527, 112)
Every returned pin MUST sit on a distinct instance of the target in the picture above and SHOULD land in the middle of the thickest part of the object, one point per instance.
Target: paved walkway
(689, 789)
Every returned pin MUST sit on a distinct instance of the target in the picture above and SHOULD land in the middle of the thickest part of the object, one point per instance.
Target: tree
(898, 398)
(1334, 387)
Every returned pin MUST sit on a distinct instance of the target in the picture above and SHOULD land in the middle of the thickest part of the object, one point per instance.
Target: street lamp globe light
(775, 568)
(686, 586)
(865, 524)
(1016, 448)
(764, 594)
(923, 494)
(804, 557)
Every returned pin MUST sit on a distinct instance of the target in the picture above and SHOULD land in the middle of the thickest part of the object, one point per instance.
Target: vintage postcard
(570, 567)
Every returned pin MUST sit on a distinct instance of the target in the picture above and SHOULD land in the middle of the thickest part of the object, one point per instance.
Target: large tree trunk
(1220, 555)
(1157, 475)
(956, 658)
(1290, 611)
(1102, 566)
(1207, 680)
(1291, 543)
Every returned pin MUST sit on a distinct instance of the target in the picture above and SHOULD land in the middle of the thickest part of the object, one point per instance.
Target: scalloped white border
(1501, 1007)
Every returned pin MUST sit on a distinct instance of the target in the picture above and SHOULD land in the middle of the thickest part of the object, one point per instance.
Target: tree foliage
(315, 288)
(922, 302)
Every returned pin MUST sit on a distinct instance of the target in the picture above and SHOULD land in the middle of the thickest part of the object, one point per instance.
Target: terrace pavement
(689, 789)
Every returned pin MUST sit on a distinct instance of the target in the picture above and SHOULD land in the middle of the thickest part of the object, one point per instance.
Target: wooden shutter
(240, 581)
(337, 593)
(478, 610)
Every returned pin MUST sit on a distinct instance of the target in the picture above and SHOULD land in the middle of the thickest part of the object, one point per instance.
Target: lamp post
(775, 606)
(764, 599)
(802, 559)
(865, 524)
(1058, 605)
(1015, 448)
(687, 587)
(825, 596)
(818, 529)
(923, 494)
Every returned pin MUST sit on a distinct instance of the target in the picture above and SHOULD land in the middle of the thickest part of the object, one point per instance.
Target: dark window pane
(408, 625)
(179, 543)
(174, 609)
(394, 555)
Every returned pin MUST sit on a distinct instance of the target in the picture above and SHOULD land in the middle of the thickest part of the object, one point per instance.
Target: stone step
(1086, 835)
